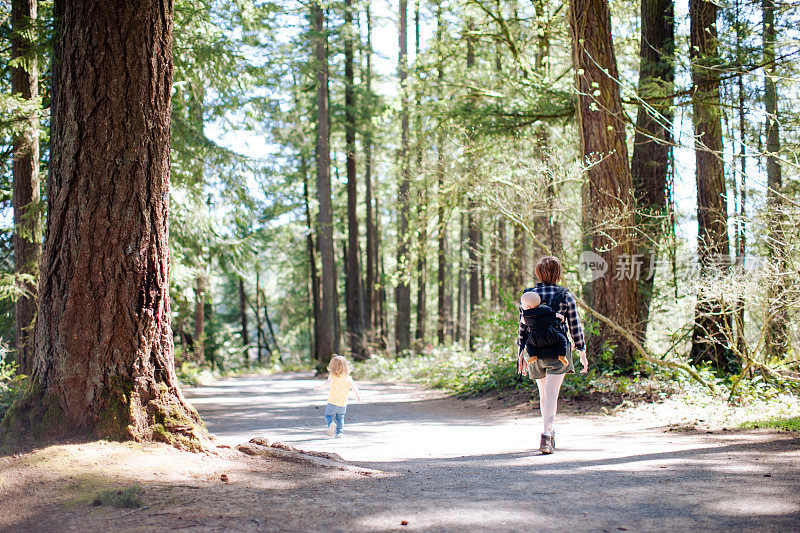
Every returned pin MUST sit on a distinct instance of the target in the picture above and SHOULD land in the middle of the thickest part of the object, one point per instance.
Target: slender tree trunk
(740, 236)
(461, 314)
(778, 320)
(403, 289)
(243, 315)
(327, 340)
(602, 131)
(445, 305)
(257, 315)
(371, 296)
(26, 195)
(652, 140)
(199, 318)
(516, 274)
(422, 205)
(502, 256)
(104, 347)
(312, 265)
(355, 296)
(712, 314)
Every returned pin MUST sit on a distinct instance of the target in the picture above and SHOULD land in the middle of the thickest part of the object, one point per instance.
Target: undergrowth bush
(12, 385)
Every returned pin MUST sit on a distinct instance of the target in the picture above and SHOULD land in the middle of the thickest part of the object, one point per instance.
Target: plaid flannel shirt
(568, 308)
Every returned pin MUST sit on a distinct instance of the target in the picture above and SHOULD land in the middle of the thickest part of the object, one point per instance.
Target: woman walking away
(543, 334)
(339, 382)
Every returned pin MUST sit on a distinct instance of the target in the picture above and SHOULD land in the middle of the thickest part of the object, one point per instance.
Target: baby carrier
(544, 335)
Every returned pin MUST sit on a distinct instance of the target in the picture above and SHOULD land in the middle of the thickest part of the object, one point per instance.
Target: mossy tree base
(37, 418)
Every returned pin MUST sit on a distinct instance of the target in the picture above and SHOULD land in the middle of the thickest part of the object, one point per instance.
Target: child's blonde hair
(339, 365)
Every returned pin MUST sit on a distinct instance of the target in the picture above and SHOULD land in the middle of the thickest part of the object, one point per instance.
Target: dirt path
(453, 464)
(444, 465)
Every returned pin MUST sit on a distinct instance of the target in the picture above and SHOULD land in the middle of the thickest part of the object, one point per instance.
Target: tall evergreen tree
(712, 314)
(403, 288)
(328, 339)
(26, 195)
(610, 206)
(104, 355)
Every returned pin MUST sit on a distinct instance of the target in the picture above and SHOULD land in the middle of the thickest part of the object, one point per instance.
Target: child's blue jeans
(335, 413)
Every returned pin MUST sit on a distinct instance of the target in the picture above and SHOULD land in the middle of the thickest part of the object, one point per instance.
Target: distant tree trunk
(312, 265)
(104, 347)
(257, 315)
(461, 313)
(473, 268)
(602, 131)
(516, 274)
(243, 315)
(740, 235)
(371, 296)
(502, 255)
(383, 319)
(403, 289)
(422, 204)
(355, 296)
(652, 140)
(445, 304)
(328, 339)
(199, 318)
(712, 313)
(26, 195)
(778, 320)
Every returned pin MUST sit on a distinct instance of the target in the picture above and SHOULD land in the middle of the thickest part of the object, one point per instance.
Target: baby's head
(339, 365)
(530, 300)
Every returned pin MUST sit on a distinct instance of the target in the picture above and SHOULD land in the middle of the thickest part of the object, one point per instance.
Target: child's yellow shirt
(340, 388)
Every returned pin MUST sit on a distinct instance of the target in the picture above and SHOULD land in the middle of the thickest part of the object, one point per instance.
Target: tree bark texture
(602, 136)
(403, 289)
(243, 316)
(713, 318)
(328, 339)
(444, 304)
(104, 352)
(778, 319)
(422, 206)
(312, 266)
(653, 138)
(25, 169)
(355, 296)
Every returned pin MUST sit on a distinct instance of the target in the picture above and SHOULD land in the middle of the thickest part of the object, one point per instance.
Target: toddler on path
(339, 382)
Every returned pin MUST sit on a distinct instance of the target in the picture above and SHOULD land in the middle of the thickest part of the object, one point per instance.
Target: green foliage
(784, 424)
(12, 386)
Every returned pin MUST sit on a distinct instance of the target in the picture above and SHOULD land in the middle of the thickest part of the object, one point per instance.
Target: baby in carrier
(541, 330)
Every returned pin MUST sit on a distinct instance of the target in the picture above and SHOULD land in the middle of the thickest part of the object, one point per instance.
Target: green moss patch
(130, 497)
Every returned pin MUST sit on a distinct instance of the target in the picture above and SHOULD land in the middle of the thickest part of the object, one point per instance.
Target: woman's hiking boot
(546, 445)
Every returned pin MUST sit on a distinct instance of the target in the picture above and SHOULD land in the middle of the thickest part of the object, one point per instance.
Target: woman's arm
(576, 330)
(574, 322)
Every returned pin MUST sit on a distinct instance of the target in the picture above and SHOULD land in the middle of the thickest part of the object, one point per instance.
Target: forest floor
(415, 460)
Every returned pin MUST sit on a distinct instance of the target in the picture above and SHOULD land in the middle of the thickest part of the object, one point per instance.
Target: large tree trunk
(712, 314)
(104, 353)
(652, 140)
(26, 195)
(403, 289)
(355, 295)
(602, 131)
(328, 339)
(777, 320)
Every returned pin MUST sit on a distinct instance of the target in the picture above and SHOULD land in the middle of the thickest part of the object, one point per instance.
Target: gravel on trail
(452, 464)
